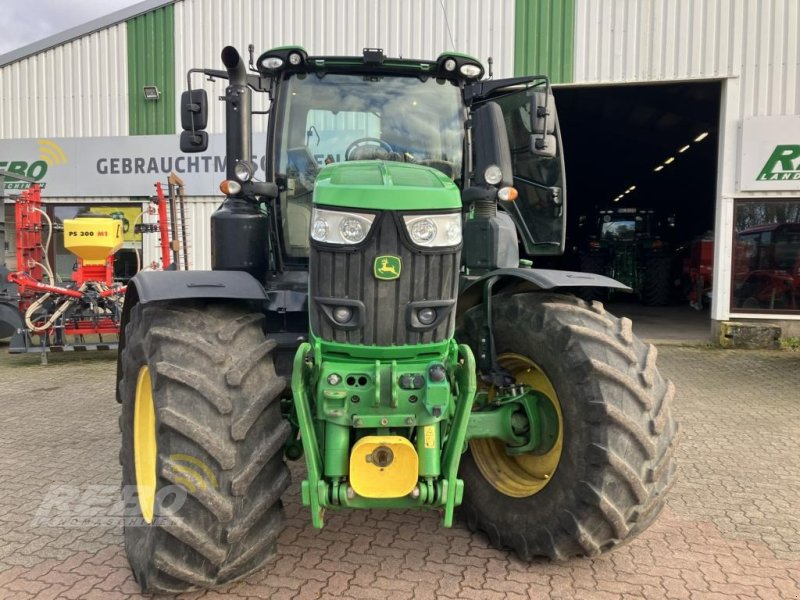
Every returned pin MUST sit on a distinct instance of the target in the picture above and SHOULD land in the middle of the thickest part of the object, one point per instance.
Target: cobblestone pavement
(731, 528)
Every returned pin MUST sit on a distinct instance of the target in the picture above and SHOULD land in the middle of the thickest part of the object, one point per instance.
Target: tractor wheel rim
(525, 475)
(144, 444)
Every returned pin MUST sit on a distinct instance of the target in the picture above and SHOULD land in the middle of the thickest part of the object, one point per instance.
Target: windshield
(338, 118)
(619, 230)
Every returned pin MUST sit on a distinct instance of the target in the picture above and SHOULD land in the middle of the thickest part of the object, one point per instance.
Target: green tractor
(368, 311)
(632, 246)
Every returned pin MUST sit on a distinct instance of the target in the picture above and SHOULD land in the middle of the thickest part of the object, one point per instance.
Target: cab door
(534, 138)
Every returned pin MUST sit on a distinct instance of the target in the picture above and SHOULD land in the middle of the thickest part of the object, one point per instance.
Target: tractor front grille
(428, 277)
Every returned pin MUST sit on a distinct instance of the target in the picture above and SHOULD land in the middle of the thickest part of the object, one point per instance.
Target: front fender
(471, 292)
(159, 286)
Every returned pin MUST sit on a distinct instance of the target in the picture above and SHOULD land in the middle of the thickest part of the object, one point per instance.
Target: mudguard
(472, 289)
(155, 286)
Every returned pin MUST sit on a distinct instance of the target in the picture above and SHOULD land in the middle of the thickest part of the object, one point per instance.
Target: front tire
(615, 462)
(202, 445)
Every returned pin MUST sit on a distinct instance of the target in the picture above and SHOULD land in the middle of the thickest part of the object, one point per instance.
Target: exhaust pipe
(235, 65)
(238, 117)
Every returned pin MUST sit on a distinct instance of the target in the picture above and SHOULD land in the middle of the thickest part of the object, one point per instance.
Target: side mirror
(490, 143)
(543, 124)
(542, 117)
(194, 142)
(194, 110)
(544, 145)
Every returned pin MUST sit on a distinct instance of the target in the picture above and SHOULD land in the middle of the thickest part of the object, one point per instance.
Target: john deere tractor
(372, 309)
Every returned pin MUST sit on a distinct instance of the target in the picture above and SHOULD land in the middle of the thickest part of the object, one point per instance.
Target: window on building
(766, 256)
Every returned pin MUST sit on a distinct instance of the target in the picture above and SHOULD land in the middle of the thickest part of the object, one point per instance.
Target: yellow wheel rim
(525, 475)
(144, 444)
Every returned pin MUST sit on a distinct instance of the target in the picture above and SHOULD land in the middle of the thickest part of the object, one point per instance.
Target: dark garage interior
(643, 147)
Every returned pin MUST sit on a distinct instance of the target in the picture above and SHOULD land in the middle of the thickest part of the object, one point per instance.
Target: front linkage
(384, 404)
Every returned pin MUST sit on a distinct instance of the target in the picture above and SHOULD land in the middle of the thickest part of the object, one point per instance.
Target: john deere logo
(783, 165)
(387, 267)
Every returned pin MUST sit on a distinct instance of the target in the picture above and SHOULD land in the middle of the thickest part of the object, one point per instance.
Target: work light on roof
(272, 62)
(471, 71)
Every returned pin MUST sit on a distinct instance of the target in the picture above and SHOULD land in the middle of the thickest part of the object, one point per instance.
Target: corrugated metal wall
(655, 40)
(151, 61)
(77, 89)
(408, 28)
(544, 36)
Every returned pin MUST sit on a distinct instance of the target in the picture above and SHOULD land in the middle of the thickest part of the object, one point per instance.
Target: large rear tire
(202, 445)
(608, 480)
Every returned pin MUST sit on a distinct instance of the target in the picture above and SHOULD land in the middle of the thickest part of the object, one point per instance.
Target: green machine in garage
(384, 269)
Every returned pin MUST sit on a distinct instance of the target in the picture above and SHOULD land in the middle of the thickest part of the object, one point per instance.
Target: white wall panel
(407, 28)
(77, 89)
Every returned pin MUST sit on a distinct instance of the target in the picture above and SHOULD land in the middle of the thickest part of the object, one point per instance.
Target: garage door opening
(641, 179)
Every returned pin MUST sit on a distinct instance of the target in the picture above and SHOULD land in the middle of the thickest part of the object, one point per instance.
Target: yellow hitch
(383, 466)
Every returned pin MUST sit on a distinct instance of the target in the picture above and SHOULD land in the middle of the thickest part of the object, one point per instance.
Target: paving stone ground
(731, 528)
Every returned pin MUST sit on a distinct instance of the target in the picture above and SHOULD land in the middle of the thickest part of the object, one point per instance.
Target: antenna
(490, 61)
(447, 23)
(250, 50)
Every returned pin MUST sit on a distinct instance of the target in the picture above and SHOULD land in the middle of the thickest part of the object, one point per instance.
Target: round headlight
(272, 62)
(243, 171)
(353, 230)
(454, 233)
(342, 314)
(334, 379)
(493, 175)
(295, 59)
(319, 231)
(423, 231)
(426, 316)
(450, 65)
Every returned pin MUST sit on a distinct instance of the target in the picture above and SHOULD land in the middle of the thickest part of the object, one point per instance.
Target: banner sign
(770, 154)
(117, 166)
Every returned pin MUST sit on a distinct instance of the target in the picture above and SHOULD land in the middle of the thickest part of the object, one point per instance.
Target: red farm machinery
(40, 312)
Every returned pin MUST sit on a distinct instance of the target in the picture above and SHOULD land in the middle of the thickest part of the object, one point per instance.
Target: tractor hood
(385, 185)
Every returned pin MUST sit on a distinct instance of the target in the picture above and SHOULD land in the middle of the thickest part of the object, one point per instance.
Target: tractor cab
(334, 110)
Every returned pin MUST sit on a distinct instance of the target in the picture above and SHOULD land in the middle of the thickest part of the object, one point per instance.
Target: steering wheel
(361, 142)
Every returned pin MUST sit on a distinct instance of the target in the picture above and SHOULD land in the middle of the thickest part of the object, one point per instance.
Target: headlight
(337, 227)
(493, 175)
(243, 170)
(470, 71)
(434, 231)
(272, 62)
